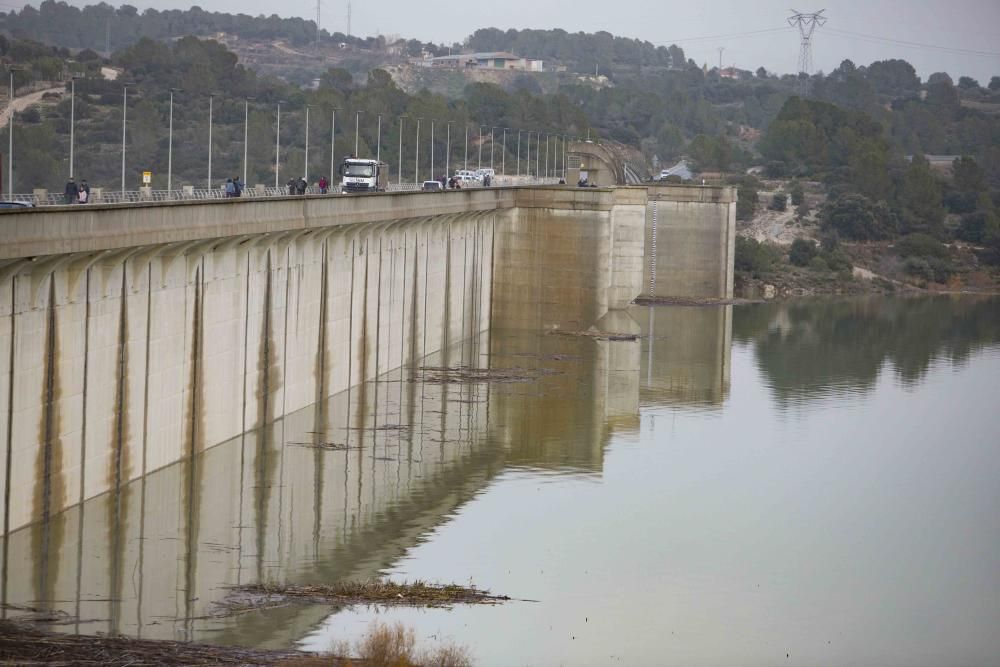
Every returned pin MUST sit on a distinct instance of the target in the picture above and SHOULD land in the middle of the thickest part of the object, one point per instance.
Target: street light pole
(277, 149)
(378, 140)
(466, 167)
(432, 148)
(211, 98)
(416, 161)
(503, 153)
(447, 152)
(538, 154)
(399, 172)
(246, 134)
(170, 145)
(72, 119)
(492, 144)
(546, 156)
(305, 170)
(564, 157)
(10, 135)
(333, 140)
(124, 121)
(519, 153)
(357, 115)
(480, 165)
(527, 159)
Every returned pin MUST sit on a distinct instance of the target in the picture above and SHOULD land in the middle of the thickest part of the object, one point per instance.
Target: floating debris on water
(470, 375)
(377, 591)
(596, 335)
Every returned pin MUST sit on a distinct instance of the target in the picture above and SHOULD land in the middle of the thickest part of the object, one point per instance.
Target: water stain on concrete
(50, 490)
(268, 381)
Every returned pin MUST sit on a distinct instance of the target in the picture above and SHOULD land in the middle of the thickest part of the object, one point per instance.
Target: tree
(779, 202)
(967, 175)
(854, 216)
(920, 197)
(994, 83)
(797, 193)
(967, 83)
(802, 252)
(746, 202)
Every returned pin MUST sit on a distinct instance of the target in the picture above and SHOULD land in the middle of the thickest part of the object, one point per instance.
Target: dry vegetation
(377, 591)
(470, 375)
(388, 646)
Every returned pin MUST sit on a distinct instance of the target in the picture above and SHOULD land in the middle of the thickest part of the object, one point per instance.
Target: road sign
(147, 177)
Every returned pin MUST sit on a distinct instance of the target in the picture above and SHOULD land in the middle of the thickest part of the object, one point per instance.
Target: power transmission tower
(318, 3)
(807, 24)
(720, 50)
(348, 18)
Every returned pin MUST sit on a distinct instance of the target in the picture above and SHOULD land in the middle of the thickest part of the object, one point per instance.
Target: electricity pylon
(807, 24)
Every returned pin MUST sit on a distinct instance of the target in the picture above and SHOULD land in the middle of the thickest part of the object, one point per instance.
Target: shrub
(746, 203)
(920, 245)
(930, 269)
(798, 194)
(977, 227)
(754, 257)
(779, 202)
(818, 264)
(855, 217)
(802, 252)
(837, 260)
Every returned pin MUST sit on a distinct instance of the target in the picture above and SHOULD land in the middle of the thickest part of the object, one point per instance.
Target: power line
(732, 35)
(915, 45)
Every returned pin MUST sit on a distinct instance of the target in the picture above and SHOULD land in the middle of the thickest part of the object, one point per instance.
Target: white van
(468, 175)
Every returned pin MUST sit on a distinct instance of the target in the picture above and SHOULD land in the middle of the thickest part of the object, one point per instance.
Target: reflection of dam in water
(152, 559)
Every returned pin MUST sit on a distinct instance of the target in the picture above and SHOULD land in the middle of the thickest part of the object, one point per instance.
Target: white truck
(362, 175)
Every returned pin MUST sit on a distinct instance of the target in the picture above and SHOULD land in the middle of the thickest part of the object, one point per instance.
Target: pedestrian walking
(323, 185)
(83, 195)
(237, 186)
(230, 188)
(72, 191)
(300, 185)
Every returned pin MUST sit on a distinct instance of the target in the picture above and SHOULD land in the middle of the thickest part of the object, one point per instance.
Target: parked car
(16, 204)
(431, 186)
(481, 173)
(468, 175)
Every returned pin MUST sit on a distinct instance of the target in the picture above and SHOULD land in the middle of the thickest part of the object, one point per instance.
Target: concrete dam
(174, 357)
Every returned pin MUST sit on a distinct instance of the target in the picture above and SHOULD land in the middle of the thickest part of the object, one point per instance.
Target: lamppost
(564, 157)
(432, 148)
(124, 123)
(378, 140)
(527, 159)
(519, 153)
(447, 152)
(466, 167)
(492, 144)
(170, 144)
(546, 156)
(333, 140)
(277, 147)
(246, 134)
(503, 153)
(305, 169)
(357, 115)
(10, 133)
(538, 153)
(211, 99)
(416, 161)
(480, 165)
(399, 171)
(72, 118)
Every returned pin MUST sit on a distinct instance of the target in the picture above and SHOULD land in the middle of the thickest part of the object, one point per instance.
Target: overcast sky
(699, 27)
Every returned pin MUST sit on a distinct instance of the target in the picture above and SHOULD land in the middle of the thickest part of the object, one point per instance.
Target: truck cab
(363, 175)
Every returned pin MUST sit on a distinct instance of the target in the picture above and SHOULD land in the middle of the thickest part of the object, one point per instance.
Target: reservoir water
(808, 483)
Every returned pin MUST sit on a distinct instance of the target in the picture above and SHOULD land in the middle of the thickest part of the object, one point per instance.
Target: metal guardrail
(142, 196)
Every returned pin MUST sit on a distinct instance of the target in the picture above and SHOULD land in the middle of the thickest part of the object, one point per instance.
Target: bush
(920, 245)
(855, 217)
(746, 203)
(802, 252)
(798, 194)
(977, 227)
(754, 257)
(779, 202)
(837, 260)
(930, 269)
(818, 264)
(776, 169)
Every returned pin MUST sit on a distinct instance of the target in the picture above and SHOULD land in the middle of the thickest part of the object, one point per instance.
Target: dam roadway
(174, 356)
